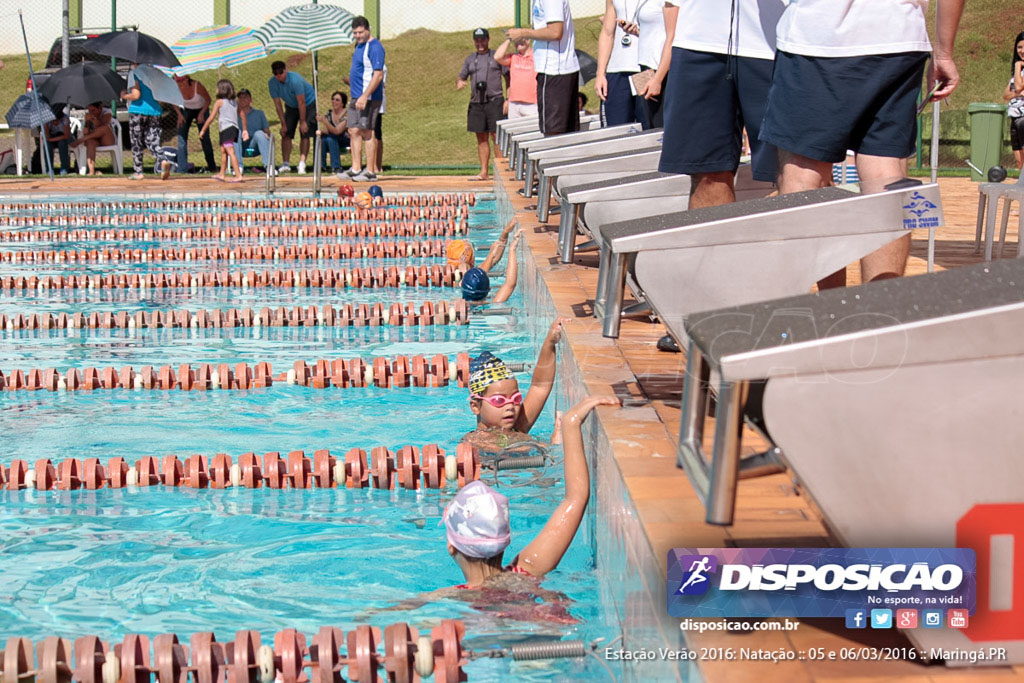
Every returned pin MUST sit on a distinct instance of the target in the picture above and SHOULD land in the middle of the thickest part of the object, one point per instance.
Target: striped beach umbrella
(305, 28)
(212, 47)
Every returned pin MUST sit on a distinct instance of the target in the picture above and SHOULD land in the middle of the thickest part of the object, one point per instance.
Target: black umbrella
(83, 83)
(25, 113)
(133, 46)
(588, 66)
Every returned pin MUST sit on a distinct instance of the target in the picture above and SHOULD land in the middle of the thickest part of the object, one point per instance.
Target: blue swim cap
(475, 285)
(375, 191)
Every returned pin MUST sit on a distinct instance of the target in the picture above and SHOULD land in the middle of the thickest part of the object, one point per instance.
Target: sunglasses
(499, 401)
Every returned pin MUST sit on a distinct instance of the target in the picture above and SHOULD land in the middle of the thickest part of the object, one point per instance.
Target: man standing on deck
(877, 51)
(366, 78)
(558, 69)
(716, 86)
(486, 99)
(295, 100)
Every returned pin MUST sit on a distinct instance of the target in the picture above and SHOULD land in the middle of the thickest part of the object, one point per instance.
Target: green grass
(426, 120)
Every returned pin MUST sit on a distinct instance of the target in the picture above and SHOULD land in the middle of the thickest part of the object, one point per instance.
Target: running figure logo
(696, 580)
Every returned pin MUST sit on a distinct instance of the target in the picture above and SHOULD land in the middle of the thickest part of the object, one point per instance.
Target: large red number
(975, 530)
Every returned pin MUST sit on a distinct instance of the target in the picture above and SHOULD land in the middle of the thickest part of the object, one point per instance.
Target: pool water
(152, 561)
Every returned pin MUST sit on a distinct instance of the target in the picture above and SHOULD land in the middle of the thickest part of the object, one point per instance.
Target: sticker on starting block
(921, 212)
(816, 582)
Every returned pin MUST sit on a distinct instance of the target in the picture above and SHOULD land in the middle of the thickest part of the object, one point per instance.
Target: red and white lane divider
(349, 315)
(379, 213)
(304, 252)
(402, 371)
(332, 278)
(120, 206)
(361, 230)
(409, 467)
(406, 657)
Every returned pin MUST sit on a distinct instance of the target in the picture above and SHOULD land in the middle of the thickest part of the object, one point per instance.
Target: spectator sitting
(259, 130)
(96, 132)
(334, 131)
(58, 134)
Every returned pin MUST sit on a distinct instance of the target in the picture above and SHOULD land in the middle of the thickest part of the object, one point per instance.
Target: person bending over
(477, 520)
(1014, 96)
(503, 415)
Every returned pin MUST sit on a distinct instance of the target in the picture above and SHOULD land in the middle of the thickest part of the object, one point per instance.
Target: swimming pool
(156, 560)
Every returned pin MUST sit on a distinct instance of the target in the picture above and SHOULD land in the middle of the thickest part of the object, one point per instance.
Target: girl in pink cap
(477, 519)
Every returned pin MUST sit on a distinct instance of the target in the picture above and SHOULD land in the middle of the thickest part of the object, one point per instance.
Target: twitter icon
(881, 618)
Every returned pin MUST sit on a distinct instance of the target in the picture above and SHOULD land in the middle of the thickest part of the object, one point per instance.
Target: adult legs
(332, 145)
(371, 151)
(65, 157)
(797, 174)
(483, 153)
(90, 154)
(1017, 136)
(261, 142)
(378, 135)
(303, 149)
(891, 260)
(712, 189)
(357, 137)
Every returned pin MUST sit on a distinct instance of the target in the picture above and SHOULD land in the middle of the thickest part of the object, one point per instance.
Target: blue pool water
(152, 561)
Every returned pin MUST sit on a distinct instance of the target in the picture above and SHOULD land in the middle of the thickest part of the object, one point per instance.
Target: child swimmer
(503, 415)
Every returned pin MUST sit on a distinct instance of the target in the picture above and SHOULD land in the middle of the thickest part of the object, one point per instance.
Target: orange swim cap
(460, 252)
(364, 200)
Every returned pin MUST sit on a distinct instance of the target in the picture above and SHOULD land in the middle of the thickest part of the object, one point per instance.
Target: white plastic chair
(115, 150)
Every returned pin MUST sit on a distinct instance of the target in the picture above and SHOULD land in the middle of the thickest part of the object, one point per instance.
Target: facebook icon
(856, 618)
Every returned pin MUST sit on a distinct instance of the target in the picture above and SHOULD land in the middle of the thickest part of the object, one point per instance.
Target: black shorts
(228, 136)
(705, 113)
(1017, 133)
(483, 117)
(378, 127)
(819, 107)
(558, 103)
(291, 119)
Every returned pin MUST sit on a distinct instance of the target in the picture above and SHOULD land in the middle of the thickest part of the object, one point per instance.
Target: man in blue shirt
(365, 78)
(257, 125)
(295, 101)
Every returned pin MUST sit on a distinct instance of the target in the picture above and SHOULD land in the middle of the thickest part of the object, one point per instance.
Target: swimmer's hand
(555, 332)
(579, 412)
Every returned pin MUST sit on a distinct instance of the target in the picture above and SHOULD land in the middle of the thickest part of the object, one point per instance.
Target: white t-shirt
(703, 25)
(852, 28)
(554, 57)
(651, 19)
(624, 57)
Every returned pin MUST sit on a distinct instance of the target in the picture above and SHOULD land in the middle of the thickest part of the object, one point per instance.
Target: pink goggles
(500, 400)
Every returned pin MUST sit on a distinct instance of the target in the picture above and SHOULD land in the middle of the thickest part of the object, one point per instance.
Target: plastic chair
(115, 150)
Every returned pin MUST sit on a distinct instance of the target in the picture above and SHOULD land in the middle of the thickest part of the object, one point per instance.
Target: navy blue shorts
(705, 111)
(620, 106)
(819, 107)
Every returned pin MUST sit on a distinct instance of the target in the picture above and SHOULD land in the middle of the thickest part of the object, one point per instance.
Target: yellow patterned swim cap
(485, 370)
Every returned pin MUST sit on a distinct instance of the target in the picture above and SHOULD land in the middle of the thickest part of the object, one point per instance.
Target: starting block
(893, 404)
(753, 250)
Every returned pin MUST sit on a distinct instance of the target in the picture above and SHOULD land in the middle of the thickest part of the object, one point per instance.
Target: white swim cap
(476, 521)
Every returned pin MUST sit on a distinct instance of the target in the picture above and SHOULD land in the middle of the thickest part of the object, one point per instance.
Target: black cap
(481, 33)
(243, 91)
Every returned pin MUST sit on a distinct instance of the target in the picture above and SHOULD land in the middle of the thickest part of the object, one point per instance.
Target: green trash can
(987, 124)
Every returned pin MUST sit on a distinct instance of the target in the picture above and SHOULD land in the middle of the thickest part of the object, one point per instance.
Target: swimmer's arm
(411, 603)
(545, 552)
(543, 378)
(511, 274)
(498, 248)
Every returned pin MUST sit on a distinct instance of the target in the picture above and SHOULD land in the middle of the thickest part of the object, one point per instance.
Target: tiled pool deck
(646, 503)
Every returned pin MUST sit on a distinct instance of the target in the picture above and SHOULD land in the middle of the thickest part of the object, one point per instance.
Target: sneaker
(302, 168)
(63, 171)
(350, 173)
(342, 175)
(372, 177)
(362, 177)
(284, 168)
